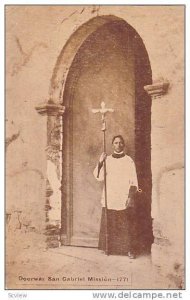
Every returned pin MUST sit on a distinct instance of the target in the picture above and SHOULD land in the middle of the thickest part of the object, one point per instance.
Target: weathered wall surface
(35, 38)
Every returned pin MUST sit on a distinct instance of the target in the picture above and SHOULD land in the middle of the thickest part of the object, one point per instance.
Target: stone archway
(63, 86)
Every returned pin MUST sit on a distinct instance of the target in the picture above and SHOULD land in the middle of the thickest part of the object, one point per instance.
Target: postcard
(95, 147)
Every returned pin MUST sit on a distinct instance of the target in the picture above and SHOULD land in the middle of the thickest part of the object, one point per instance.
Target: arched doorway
(110, 65)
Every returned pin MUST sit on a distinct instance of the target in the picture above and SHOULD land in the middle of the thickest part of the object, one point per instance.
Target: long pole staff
(105, 185)
(103, 110)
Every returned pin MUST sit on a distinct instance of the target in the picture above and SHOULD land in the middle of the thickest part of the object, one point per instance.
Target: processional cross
(103, 111)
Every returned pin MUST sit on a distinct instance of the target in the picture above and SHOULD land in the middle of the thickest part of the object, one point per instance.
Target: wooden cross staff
(103, 110)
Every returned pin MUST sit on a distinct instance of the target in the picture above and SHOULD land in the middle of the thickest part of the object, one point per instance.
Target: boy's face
(118, 145)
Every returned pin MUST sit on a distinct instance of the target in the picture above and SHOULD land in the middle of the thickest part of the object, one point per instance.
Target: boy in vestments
(122, 184)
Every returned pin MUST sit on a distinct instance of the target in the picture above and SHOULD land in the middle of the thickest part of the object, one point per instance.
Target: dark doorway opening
(111, 65)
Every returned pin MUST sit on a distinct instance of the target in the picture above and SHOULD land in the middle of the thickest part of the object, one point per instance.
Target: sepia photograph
(95, 156)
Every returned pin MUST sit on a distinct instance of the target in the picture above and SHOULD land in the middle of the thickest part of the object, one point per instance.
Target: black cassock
(122, 231)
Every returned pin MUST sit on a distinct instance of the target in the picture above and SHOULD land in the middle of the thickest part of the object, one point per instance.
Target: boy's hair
(118, 136)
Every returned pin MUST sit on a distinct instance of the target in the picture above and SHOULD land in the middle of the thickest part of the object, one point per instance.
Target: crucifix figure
(103, 111)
